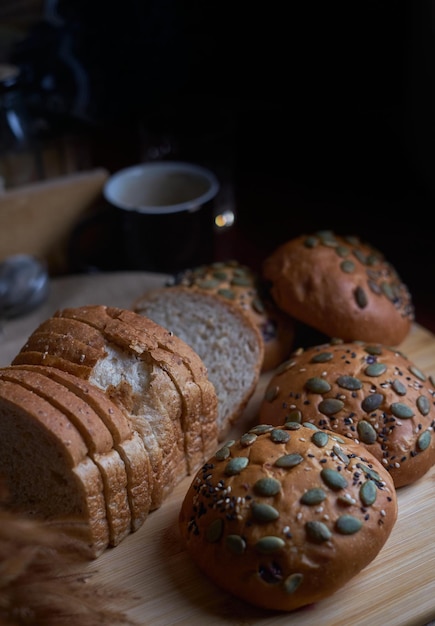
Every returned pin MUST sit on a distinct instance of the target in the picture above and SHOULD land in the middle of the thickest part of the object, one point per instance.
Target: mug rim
(164, 166)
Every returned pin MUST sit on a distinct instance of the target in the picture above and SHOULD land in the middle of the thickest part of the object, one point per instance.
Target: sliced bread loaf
(225, 338)
(119, 353)
(47, 469)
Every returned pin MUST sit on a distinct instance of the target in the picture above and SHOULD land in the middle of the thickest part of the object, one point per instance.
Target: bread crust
(284, 517)
(365, 392)
(245, 288)
(341, 286)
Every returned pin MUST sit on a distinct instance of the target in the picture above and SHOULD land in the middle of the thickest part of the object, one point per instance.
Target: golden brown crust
(285, 517)
(340, 286)
(365, 392)
(242, 286)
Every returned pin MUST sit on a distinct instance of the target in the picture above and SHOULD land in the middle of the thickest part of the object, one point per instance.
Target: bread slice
(143, 375)
(47, 471)
(98, 440)
(225, 338)
(126, 441)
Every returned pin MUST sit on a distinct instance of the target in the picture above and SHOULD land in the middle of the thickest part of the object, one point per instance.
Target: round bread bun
(286, 516)
(241, 285)
(366, 392)
(340, 286)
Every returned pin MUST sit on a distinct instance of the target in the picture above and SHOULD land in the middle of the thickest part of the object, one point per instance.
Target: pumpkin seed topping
(346, 499)
(341, 454)
(317, 531)
(361, 298)
(279, 436)
(333, 479)
(399, 387)
(271, 393)
(267, 486)
(372, 402)
(424, 440)
(311, 242)
(222, 454)
(289, 460)
(248, 439)
(373, 349)
(369, 472)
(313, 496)
(292, 582)
(269, 544)
(320, 438)
(423, 405)
(349, 382)
(368, 492)
(292, 425)
(347, 266)
(403, 411)
(375, 369)
(235, 544)
(414, 370)
(317, 385)
(322, 357)
(264, 512)
(236, 465)
(330, 406)
(214, 530)
(295, 417)
(259, 429)
(348, 524)
(227, 293)
(366, 432)
(310, 425)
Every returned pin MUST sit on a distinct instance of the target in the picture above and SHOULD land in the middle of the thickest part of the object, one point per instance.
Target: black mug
(160, 216)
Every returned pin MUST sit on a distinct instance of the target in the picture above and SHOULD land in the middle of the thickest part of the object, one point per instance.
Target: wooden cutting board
(396, 589)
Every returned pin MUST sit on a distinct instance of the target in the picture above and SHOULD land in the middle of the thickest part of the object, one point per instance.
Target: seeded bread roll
(340, 286)
(244, 287)
(284, 517)
(366, 392)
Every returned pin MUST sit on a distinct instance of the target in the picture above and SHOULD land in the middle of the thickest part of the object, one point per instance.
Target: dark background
(320, 115)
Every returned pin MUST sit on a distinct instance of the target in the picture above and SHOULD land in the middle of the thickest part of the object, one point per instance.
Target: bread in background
(245, 288)
(340, 286)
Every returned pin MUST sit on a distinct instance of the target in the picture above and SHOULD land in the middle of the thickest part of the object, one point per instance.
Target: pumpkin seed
(317, 531)
(423, 441)
(259, 429)
(330, 406)
(292, 582)
(349, 382)
(236, 465)
(320, 438)
(289, 460)
(227, 293)
(368, 492)
(317, 385)
(366, 432)
(235, 544)
(423, 405)
(271, 393)
(372, 402)
(222, 454)
(322, 357)
(264, 512)
(414, 370)
(267, 486)
(348, 524)
(399, 387)
(313, 496)
(295, 422)
(361, 298)
(248, 439)
(279, 436)
(341, 454)
(375, 369)
(333, 479)
(269, 544)
(402, 411)
(214, 530)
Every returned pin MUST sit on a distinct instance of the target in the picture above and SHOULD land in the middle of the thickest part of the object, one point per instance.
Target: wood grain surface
(164, 587)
